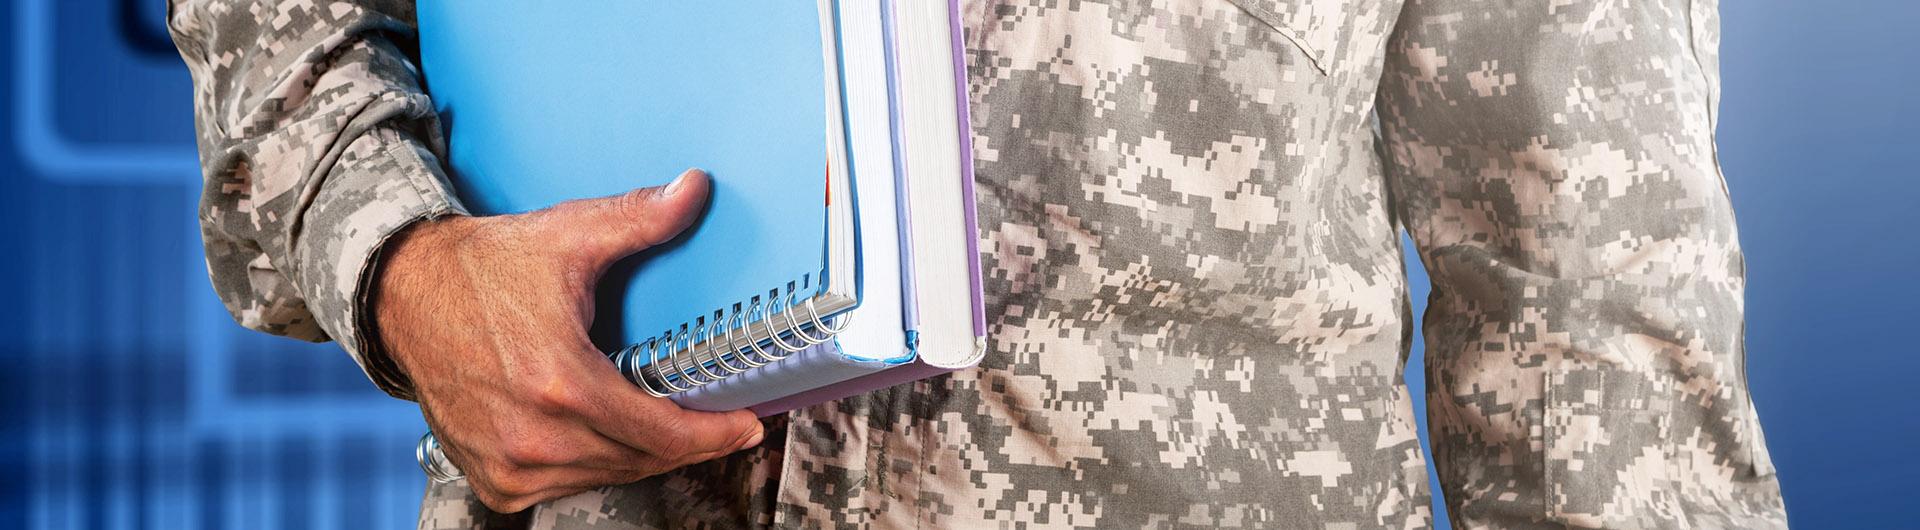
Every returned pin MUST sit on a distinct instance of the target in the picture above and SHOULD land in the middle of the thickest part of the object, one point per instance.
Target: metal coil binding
(662, 367)
(728, 342)
(433, 460)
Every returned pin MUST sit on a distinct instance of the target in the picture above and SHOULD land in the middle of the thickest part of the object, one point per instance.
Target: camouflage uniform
(1199, 316)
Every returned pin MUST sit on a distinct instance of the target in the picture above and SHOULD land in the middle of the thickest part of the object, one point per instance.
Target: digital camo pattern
(1198, 311)
(1587, 362)
(316, 144)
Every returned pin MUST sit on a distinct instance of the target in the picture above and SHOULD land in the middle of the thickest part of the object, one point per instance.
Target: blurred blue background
(131, 400)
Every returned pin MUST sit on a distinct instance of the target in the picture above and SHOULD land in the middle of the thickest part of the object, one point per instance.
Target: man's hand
(489, 315)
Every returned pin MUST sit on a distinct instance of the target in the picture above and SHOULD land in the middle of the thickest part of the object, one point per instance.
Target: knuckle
(508, 485)
(676, 444)
(554, 396)
(633, 205)
(637, 208)
(516, 504)
(649, 466)
(531, 454)
(502, 502)
(493, 500)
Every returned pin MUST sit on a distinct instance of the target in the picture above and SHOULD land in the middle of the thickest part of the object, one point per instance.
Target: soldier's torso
(1194, 290)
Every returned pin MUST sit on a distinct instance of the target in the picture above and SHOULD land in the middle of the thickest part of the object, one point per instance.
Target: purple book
(932, 163)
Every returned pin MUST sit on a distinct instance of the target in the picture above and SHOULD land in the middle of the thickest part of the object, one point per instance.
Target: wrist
(408, 269)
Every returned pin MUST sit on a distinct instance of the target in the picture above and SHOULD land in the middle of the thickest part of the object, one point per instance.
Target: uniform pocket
(1312, 25)
(1602, 464)
(1608, 455)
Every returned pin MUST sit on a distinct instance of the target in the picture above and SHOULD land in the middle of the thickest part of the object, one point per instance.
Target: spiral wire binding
(662, 367)
(433, 460)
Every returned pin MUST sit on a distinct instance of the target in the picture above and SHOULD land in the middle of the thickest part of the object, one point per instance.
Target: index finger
(662, 428)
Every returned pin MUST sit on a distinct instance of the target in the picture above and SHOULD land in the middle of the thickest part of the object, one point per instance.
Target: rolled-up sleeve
(317, 143)
(1555, 164)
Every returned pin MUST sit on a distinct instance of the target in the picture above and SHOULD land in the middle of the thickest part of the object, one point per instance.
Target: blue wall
(1817, 139)
(130, 400)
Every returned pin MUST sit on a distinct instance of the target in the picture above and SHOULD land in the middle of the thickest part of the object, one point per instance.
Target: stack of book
(837, 255)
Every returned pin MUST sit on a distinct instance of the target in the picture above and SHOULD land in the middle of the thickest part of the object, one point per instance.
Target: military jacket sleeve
(1555, 166)
(317, 143)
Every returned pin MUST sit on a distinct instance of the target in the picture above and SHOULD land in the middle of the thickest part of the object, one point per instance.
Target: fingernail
(680, 181)
(754, 439)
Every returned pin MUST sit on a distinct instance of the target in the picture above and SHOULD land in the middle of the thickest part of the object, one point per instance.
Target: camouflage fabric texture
(1198, 308)
(316, 144)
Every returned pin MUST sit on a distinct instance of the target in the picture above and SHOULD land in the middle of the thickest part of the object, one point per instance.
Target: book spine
(964, 114)
(910, 305)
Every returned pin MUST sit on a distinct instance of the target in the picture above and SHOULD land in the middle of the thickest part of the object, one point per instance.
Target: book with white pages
(925, 68)
(795, 287)
(905, 106)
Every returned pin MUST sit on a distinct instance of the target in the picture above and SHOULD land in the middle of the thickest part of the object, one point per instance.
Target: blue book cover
(554, 101)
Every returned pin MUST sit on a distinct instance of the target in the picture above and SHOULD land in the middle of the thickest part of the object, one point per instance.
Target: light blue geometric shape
(45, 149)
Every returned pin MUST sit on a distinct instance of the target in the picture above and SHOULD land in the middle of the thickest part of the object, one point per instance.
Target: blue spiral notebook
(578, 100)
(552, 103)
(837, 255)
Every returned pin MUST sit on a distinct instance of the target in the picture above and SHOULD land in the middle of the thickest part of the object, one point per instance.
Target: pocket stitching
(1551, 479)
(1272, 19)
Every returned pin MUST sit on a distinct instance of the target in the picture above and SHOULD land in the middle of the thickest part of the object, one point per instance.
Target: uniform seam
(920, 458)
(395, 145)
(1751, 417)
(787, 457)
(1713, 96)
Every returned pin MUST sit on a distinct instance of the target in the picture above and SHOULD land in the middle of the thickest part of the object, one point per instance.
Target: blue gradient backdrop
(129, 399)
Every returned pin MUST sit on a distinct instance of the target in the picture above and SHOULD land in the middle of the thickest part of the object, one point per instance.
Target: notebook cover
(919, 368)
(550, 102)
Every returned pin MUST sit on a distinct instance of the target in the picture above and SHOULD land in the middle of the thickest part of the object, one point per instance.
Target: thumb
(716, 434)
(609, 228)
